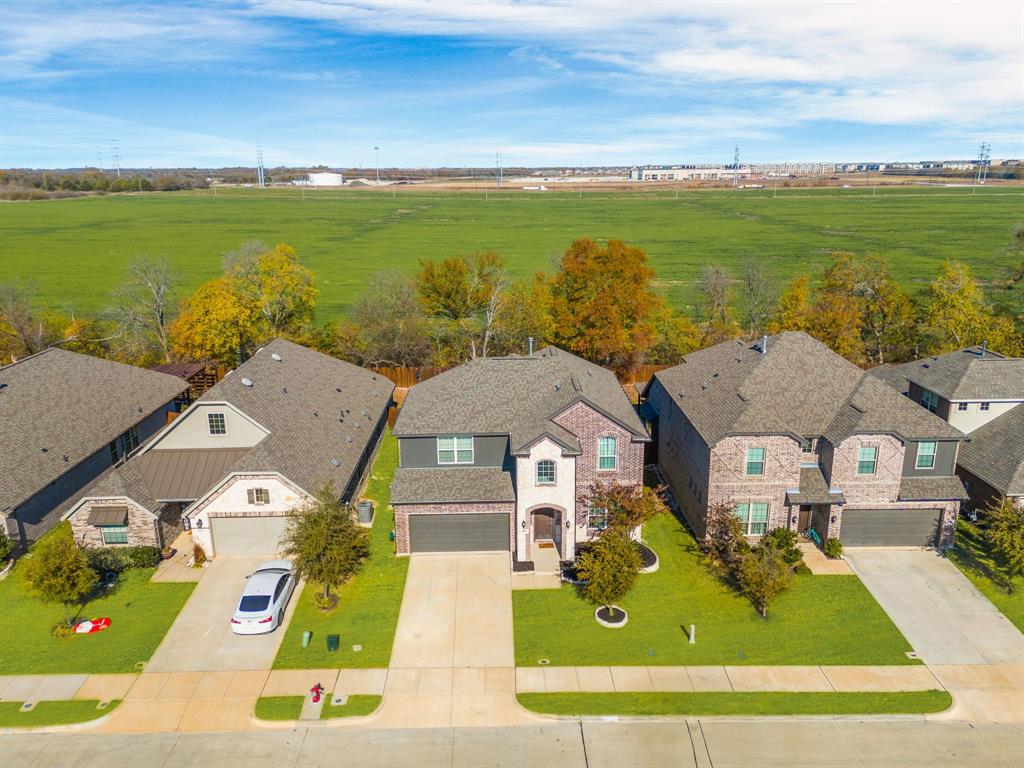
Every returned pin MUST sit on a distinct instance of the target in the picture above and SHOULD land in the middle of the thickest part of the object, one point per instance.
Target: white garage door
(246, 535)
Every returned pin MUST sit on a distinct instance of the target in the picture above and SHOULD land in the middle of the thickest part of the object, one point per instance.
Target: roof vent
(764, 344)
(276, 357)
(247, 383)
(348, 438)
(558, 387)
(284, 390)
(576, 384)
(335, 462)
(984, 348)
(45, 450)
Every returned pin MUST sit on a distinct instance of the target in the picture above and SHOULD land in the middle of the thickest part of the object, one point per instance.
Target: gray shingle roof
(517, 396)
(57, 408)
(969, 374)
(813, 489)
(996, 452)
(121, 482)
(798, 386)
(451, 484)
(931, 489)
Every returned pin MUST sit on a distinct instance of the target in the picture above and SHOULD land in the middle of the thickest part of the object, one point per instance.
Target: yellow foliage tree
(793, 312)
(957, 315)
(215, 323)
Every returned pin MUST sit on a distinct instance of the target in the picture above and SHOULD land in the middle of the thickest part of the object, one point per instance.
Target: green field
(75, 250)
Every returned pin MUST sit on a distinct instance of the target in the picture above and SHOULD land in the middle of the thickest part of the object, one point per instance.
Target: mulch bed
(646, 554)
(604, 615)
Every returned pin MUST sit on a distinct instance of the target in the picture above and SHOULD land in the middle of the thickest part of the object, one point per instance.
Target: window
(217, 424)
(607, 453)
(258, 496)
(130, 440)
(867, 460)
(961, 406)
(755, 461)
(114, 534)
(930, 400)
(455, 450)
(546, 472)
(279, 589)
(984, 406)
(754, 517)
(925, 455)
(597, 519)
(115, 454)
(808, 447)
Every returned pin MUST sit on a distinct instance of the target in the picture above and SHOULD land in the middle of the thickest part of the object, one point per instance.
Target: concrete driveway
(201, 640)
(937, 609)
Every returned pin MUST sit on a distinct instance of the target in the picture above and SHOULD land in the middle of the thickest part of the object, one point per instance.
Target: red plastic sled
(89, 626)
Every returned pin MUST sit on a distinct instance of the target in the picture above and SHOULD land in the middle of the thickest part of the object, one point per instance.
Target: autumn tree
(674, 336)
(143, 306)
(715, 287)
(957, 315)
(525, 314)
(281, 289)
(838, 314)
(388, 326)
(24, 330)
(1004, 532)
(889, 328)
(603, 306)
(628, 506)
(217, 323)
(793, 310)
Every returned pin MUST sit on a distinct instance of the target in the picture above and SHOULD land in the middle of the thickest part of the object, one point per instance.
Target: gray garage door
(246, 535)
(889, 527)
(484, 532)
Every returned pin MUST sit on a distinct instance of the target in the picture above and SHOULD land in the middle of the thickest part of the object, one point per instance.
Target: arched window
(545, 472)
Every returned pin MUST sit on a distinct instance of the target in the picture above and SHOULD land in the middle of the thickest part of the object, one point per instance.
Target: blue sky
(551, 82)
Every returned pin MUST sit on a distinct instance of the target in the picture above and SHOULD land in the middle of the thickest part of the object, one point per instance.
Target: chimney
(531, 346)
(764, 344)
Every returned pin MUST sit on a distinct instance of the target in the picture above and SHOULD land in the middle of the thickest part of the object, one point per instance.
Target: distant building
(687, 173)
(326, 179)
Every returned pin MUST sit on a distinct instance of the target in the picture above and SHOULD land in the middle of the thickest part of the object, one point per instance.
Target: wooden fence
(405, 377)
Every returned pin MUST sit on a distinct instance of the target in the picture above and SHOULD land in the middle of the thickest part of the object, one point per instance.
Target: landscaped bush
(6, 547)
(784, 541)
(198, 556)
(118, 559)
(833, 548)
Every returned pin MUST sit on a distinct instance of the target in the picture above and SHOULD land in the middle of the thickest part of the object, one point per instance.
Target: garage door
(889, 527)
(484, 532)
(246, 535)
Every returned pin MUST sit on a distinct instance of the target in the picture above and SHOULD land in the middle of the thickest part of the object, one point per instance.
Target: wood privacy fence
(405, 377)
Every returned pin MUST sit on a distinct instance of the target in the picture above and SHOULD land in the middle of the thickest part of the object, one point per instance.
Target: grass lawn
(52, 713)
(139, 610)
(279, 707)
(367, 613)
(819, 620)
(971, 556)
(771, 703)
(358, 705)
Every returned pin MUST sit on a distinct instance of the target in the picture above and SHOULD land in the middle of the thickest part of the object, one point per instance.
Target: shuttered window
(258, 496)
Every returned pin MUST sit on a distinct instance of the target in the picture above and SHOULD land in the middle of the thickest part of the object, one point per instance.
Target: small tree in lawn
(324, 543)
(628, 506)
(762, 575)
(724, 541)
(1004, 531)
(59, 571)
(610, 566)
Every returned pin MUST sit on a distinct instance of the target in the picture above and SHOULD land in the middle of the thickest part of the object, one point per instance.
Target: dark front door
(544, 526)
(804, 521)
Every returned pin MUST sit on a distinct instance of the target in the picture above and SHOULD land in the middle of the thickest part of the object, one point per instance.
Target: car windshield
(253, 603)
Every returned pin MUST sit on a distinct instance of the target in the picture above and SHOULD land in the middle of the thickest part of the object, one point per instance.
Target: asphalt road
(732, 743)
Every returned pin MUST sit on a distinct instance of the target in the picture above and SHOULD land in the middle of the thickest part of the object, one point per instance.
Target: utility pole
(117, 158)
(376, 159)
(736, 166)
(260, 176)
(497, 170)
(982, 172)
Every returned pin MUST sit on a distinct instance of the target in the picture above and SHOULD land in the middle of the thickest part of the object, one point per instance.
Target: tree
(323, 541)
(762, 575)
(609, 566)
(958, 316)
(603, 306)
(628, 506)
(793, 311)
(724, 540)
(143, 306)
(466, 294)
(675, 337)
(525, 313)
(59, 571)
(216, 323)
(388, 326)
(23, 329)
(757, 294)
(838, 314)
(889, 328)
(720, 324)
(281, 289)
(1004, 532)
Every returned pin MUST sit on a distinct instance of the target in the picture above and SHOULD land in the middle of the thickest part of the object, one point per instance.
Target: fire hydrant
(316, 692)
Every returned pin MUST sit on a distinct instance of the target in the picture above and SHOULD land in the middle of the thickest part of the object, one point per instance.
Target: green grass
(75, 251)
(819, 620)
(140, 613)
(52, 713)
(367, 612)
(769, 703)
(357, 706)
(279, 707)
(971, 556)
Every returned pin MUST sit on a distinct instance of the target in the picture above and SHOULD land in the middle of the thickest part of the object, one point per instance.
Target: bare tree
(714, 286)
(23, 329)
(143, 304)
(758, 293)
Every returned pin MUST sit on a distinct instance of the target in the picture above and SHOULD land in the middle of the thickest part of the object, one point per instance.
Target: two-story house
(258, 444)
(790, 434)
(500, 454)
(65, 418)
(981, 393)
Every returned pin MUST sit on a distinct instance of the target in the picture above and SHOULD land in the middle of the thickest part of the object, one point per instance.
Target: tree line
(600, 301)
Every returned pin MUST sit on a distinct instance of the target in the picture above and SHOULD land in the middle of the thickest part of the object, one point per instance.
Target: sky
(543, 82)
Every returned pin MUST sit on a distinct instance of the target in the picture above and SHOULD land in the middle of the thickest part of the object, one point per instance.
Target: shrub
(784, 541)
(1004, 532)
(724, 541)
(59, 571)
(198, 556)
(63, 630)
(6, 547)
(762, 575)
(833, 548)
(118, 559)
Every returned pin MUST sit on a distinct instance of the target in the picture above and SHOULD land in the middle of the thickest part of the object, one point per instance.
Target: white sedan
(266, 595)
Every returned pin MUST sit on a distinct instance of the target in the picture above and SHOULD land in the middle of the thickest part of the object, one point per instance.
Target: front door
(544, 526)
(804, 521)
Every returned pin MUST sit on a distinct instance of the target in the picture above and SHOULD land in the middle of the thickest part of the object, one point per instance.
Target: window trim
(119, 529)
(748, 520)
(763, 462)
(984, 406)
(614, 455)
(917, 459)
(592, 512)
(253, 496)
(554, 473)
(861, 461)
(223, 423)
(962, 406)
(455, 450)
(929, 400)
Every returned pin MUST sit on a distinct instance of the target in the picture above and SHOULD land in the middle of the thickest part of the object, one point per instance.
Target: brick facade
(402, 512)
(730, 484)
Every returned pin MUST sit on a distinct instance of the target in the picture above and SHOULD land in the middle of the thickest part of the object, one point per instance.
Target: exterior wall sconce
(833, 518)
(199, 522)
(523, 525)
(568, 524)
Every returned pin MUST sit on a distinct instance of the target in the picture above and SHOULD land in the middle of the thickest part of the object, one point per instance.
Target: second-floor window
(961, 406)
(755, 461)
(984, 406)
(754, 517)
(545, 472)
(867, 460)
(925, 455)
(607, 453)
(217, 424)
(930, 400)
(258, 496)
(455, 450)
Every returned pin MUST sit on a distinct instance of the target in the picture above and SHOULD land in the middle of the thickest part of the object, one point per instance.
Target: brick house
(790, 434)
(500, 454)
(256, 445)
(65, 419)
(981, 393)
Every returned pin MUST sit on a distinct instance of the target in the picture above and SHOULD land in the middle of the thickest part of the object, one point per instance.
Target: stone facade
(402, 512)
(144, 527)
